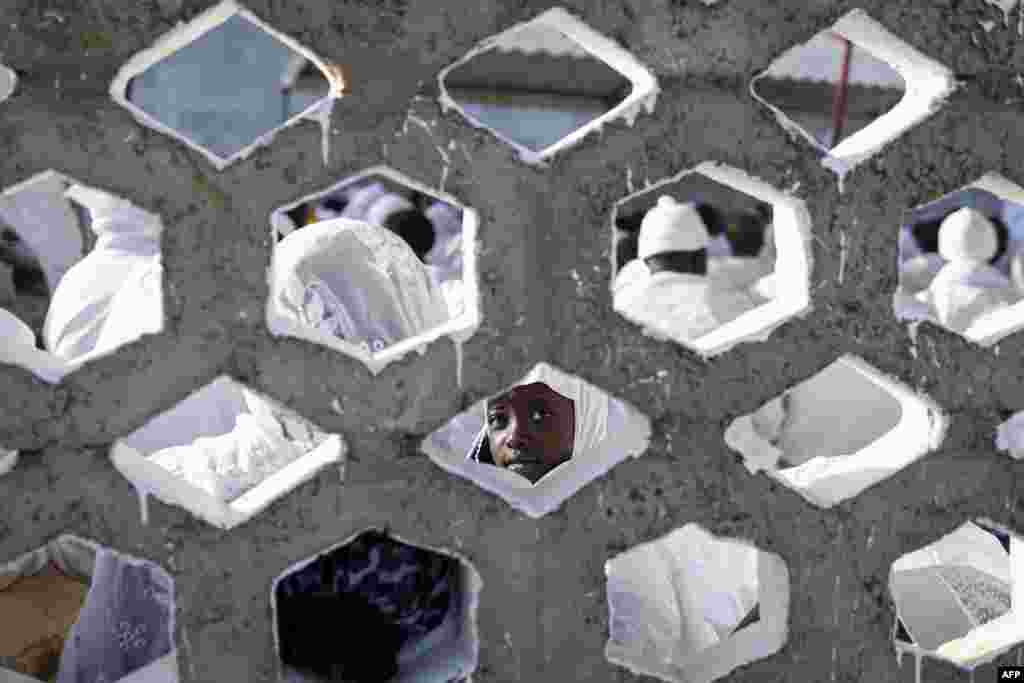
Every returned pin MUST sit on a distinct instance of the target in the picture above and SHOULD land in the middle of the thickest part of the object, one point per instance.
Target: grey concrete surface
(543, 614)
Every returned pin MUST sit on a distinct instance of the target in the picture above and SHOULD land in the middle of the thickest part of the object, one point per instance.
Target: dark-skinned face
(530, 430)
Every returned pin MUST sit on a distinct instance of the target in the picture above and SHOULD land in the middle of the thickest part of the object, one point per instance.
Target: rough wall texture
(543, 614)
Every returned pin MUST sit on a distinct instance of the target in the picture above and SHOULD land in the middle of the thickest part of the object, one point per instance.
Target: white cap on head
(967, 235)
(671, 226)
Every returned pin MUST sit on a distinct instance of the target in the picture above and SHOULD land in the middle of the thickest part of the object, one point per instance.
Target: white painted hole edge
(921, 429)
(984, 643)
(928, 83)
(793, 265)
(76, 555)
(459, 329)
(183, 35)
(149, 478)
(449, 446)
(644, 95)
(462, 652)
(8, 82)
(756, 641)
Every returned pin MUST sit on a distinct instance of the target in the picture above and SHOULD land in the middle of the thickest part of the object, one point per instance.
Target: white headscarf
(590, 405)
(114, 294)
(355, 280)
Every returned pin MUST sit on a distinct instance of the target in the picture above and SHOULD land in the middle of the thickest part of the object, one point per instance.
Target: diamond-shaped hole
(375, 266)
(975, 287)
(415, 606)
(845, 90)
(692, 607)
(541, 440)
(80, 274)
(954, 597)
(225, 454)
(1010, 436)
(843, 430)
(8, 82)
(224, 83)
(543, 85)
(79, 606)
(725, 258)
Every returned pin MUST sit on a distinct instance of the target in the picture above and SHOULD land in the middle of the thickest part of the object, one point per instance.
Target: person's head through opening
(27, 273)
(530, 430)
(413, 227)
(966, 236)
(746, 232)
(674, 238)
(926, 233)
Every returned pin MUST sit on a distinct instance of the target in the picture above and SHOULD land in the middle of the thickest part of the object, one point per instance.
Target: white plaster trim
(8, 460)
(1001, 323)
(184, 34)
(793, 265)
(826, 481)
(989, 641)
(1010, 436)
(459, 329)
(450, 660)
(756, 641)
(449, 445)
(8, 82)
(644, 95)
(929, 84)
(77, 556)
(150, 478)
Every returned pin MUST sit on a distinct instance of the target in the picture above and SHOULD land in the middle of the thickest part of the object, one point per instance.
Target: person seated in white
(750, 259)
(673, 293)
(354, 281)
(111, 297)
(967, 287)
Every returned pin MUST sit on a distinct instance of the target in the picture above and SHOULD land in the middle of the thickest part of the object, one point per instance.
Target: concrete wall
(543, 614)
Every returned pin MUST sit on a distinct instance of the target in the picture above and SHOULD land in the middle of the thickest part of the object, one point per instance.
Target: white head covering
(967, 235)
(357, 281)
(671, 226)
(590, 406)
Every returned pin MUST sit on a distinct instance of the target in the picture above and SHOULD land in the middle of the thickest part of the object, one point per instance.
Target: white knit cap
(671, 226)
(967, 235)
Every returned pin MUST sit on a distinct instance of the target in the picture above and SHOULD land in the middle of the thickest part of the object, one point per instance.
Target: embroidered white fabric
(127, 621)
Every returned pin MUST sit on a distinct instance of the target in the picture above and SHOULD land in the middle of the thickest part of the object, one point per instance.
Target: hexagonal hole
(1010, 436)
(86, 612)
(976, 288)
(846, 90)
(419, 629)
(958, 599)
(80, 274)
(730, 266)
(843, 430)
(543, 85)
(690, 607)
(225, 454)
(375, 266)
(541, 440)
(225, 83)
(8, 459)
(8, 82)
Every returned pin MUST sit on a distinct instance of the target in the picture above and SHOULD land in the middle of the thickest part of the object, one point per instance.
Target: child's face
(530, 430)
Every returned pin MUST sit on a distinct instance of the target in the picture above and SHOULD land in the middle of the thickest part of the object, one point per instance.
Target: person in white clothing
(967, 287)
(674, 292)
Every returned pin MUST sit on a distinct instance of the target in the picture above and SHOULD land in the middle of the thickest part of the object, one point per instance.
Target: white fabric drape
(356, 281)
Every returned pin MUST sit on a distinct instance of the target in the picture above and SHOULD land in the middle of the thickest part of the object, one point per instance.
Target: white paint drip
(629, 180)
(871, 537)
(445, 159)
(917, 667)
(459, 358)
(987, 26)
(842, 255)
(336, 406)
(143, 495)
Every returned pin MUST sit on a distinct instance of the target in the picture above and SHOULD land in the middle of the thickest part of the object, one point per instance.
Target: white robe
(684, 304)
(963, 292)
